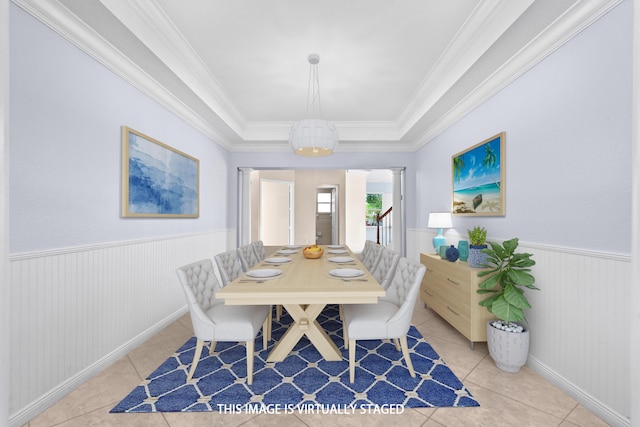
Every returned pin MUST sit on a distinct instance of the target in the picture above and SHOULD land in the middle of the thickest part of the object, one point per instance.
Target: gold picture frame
(478, 178)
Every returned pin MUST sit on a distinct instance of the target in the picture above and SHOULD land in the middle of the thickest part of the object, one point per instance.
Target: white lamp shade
(440, 220)
(313, 137)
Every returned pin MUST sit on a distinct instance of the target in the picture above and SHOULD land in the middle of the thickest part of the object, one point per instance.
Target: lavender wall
(568, 162)
(66, 116)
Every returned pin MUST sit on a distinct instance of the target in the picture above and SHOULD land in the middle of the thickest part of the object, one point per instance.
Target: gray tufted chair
(373, 255)
(229, 266)
(367, 247)
(214, 321)
(258, 248)
(386, 266)
(390, 318)
(247, 257)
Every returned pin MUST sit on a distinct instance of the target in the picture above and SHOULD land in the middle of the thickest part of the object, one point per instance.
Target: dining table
(304, 287)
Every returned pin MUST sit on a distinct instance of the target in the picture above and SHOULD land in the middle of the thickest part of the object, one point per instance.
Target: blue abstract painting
(160, 181)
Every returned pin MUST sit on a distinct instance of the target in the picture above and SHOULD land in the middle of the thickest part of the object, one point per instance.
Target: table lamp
(439, 220)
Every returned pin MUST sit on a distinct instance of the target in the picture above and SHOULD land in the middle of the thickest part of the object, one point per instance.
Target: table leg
(305, 323)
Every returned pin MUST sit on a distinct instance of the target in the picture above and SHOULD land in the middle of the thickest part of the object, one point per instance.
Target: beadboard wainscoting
(75, 311)
(580, 322)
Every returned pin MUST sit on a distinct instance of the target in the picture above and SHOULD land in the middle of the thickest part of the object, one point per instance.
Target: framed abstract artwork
(157, 180)
(479, 178)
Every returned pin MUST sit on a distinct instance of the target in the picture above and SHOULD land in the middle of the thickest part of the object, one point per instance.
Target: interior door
(326, 216)
(276, 212)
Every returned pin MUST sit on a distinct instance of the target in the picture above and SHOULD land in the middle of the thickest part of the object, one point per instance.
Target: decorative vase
(452, 254)
(463, 250)
(442, 250)
(476, 257)
(509, 350)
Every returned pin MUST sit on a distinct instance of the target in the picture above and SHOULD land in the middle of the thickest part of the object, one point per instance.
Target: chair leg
(397, 344)
(352, 360)
(250, 362)
(212, 348)
(405, 353)
(266, 332)
(345, 337)
(196, 358)
(278, 312)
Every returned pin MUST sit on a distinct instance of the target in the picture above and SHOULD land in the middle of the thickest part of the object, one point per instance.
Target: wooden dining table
(304, 287)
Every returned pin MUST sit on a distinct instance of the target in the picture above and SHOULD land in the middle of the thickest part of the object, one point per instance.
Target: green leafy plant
(508, 272)
(477, 235)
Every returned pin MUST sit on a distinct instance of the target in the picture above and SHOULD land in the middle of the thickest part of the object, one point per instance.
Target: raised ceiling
(393, 74)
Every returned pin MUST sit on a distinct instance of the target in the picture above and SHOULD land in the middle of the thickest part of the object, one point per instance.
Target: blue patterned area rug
(303, 381)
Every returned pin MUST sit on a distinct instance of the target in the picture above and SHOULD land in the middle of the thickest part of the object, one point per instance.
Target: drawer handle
(428, 293)
(453, 311)
(454, 282)
(430, 270)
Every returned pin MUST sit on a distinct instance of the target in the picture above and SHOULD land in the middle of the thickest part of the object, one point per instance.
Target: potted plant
(477, 242)
(508, 272)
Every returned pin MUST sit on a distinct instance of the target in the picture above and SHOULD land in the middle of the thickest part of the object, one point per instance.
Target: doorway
(276, 210)
(326, 216)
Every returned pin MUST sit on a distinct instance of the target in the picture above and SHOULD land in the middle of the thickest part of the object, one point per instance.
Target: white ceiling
(393, 74)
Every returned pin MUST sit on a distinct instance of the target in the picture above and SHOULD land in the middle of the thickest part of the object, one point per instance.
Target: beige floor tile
(506, 399)
(581, 416)
(459, 358)
(102, 418)
(206, 419)
(147, 359)
(106, 388)
(495, 410)
(525, 386)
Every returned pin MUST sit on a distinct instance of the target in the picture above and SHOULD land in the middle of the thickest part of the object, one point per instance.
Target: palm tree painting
(478, 178)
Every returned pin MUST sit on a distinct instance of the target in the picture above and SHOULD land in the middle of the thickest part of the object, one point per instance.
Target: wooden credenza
(449, 289)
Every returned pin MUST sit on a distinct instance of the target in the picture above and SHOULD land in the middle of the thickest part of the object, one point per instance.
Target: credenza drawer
(450, 289)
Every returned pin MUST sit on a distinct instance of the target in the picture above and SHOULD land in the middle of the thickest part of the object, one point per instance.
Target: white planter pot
(509, 350)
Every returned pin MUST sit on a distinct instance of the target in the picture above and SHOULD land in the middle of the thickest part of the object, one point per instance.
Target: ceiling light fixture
(313, 137)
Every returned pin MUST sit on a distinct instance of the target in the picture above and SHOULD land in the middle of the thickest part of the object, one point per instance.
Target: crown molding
(554, 36)
(154, 29)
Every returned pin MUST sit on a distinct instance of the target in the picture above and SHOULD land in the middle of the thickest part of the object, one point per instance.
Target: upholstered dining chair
(390, 318)
(258, 248)
(247, 257)
(367, 247)
(386, 266)
(214, 321)
(229, 266)
(373, 255)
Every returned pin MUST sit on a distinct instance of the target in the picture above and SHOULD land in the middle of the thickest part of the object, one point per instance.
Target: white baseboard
(47, 400)
(607, 414)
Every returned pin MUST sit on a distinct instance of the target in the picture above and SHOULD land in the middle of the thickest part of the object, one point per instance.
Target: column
(397, 218)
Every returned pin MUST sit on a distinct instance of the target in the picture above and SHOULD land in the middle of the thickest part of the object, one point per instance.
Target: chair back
(258, 248)
(229, 266)
(367, 247)
(403, 292)
(247, 256)
(386, 267)
(372, 257)
(199, 283)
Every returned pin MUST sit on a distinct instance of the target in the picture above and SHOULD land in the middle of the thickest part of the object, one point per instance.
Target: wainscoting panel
(579, 322)
(76, 310)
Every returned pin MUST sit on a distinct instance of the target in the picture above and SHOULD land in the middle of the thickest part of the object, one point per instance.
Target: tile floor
(522, 399)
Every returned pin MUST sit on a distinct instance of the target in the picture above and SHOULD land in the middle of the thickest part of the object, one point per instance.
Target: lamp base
(438, 241)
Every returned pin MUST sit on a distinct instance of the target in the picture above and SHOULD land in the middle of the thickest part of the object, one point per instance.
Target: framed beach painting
(479, 178)
(157, 180)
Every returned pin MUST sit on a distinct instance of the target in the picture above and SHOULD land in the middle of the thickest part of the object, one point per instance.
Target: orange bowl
(312, 254)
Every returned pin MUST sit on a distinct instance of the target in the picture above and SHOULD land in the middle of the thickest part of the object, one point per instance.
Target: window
(324, 202)
(374, 206)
